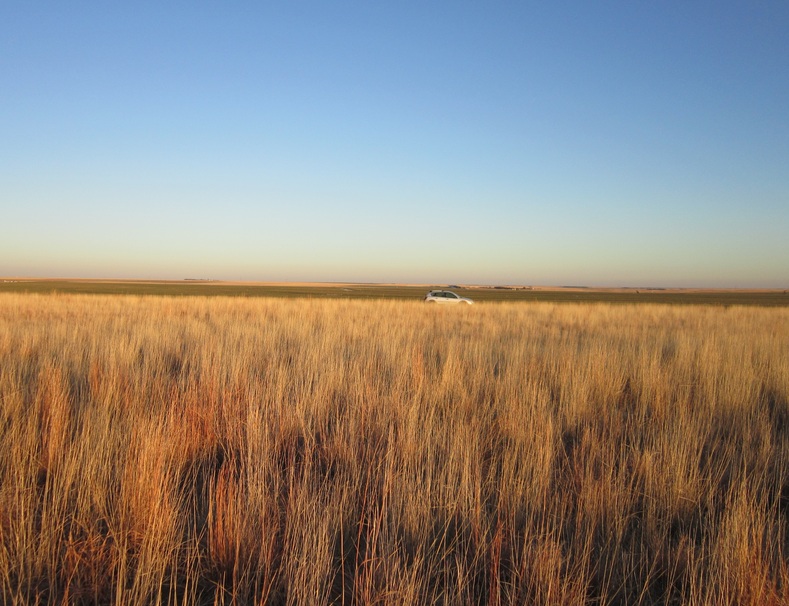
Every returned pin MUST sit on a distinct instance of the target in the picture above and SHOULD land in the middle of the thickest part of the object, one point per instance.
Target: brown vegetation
(195, 450)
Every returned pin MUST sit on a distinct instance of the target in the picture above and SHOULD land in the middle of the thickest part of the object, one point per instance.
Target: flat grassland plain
(263, 450)
(328, 290)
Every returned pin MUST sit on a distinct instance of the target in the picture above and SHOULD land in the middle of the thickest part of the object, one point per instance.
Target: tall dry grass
(207, 451)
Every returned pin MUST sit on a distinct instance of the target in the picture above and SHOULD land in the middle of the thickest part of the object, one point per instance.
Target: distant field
(393, 291)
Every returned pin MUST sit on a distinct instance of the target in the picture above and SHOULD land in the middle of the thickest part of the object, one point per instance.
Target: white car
(445, 296)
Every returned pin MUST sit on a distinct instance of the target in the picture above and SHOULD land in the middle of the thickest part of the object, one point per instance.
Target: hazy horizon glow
(570, 143)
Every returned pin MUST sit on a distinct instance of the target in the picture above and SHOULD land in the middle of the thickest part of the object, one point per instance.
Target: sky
(537, 143)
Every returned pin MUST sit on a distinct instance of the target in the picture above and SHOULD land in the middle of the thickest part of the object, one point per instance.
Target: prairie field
(218, 450)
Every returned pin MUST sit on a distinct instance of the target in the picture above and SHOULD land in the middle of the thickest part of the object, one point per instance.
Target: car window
(451, 295)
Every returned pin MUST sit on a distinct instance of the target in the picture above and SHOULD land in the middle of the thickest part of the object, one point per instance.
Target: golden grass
(205, 451)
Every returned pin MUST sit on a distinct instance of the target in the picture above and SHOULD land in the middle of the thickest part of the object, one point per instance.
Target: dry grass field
(162, 450)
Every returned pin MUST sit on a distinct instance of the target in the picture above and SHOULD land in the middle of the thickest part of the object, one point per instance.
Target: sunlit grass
(196, 450)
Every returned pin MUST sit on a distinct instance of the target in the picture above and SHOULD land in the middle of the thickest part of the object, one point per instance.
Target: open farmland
(499, 294)
(327, 451)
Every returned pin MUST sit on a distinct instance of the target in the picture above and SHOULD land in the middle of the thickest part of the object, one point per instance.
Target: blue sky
(553, 143)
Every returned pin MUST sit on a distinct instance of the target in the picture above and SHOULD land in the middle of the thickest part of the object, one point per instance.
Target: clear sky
(586, 143)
